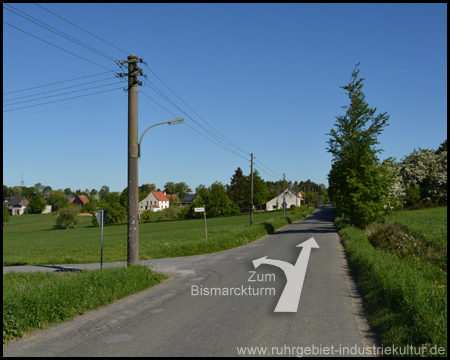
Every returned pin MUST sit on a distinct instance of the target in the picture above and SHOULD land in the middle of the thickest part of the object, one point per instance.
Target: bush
(170, 213)
(5, 213)
(36, 205)
(89, 207)
(146, 215)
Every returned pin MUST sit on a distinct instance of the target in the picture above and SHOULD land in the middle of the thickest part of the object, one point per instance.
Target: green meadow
(34, 239)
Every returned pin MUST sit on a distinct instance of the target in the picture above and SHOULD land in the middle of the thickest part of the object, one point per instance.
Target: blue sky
(266, 77)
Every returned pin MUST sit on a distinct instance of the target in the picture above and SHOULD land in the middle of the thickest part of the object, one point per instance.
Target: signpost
(204, 213)
(101, 216)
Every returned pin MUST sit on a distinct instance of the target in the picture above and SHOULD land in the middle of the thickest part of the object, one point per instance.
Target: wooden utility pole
(133, 157)
(251, 193)
(133, 190)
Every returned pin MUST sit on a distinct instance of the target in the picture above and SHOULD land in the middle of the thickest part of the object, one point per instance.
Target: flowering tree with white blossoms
(425, 170)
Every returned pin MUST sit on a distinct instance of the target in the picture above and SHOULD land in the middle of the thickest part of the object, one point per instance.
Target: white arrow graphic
(295, 276)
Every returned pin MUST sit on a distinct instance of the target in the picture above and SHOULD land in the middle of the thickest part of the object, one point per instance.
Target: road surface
(212, 306)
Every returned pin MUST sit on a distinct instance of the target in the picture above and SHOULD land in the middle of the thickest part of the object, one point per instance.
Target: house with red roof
(155, 201)
(80, 200)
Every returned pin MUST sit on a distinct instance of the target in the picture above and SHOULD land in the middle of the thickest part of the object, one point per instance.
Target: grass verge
(36, 300)
(405, 296)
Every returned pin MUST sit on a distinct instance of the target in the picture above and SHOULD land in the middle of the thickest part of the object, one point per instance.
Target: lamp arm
(140, 140)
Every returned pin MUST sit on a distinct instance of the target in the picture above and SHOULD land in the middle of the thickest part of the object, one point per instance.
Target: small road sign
(101, 216)
(199, 209)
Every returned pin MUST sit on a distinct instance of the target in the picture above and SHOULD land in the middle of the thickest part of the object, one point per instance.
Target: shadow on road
(59, 268)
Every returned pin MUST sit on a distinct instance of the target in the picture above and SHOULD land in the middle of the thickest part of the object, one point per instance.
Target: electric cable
(81, 28)
(59, 82)
(70, 92)
(68, 37)
(195, 111)
(55, 45)
(277, 174)
(159, 92)
(231, 151)
(49, 102)
(45, 92)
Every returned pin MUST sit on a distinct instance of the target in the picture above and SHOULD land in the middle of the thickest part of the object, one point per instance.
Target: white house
(290, 197)
(155, 201)
(16, 204)
(47, 210)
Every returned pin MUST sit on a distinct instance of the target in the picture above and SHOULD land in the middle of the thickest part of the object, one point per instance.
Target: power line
(46, 92)
(158, 103)
(195, 112)
(68, 37)
(277, 174)
(64, 107)
(55, 45)
(74, 97)
(227, 149)
(59, 82)
(81, 28)
(70, 92)
(165, 97)
(46, 55)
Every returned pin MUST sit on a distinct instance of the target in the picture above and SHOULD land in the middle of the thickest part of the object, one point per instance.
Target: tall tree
(218, 200)
(442, 147)
(182, 189)
(360, 183)
(29, 192)
(39, 188)
(147, 188)
(169, 188)
(260, 191)
(103, 191)
(15, 191)
(237, 188)
(57, 200)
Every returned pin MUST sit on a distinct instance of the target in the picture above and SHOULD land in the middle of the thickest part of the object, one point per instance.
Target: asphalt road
(175, 319)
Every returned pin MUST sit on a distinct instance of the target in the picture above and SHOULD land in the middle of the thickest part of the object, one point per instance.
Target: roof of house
(173, 196)
(159, 195)
(189, 197)
(70, 196)
(71, 200)
(16, 200)
(155, 206)
(83, 198)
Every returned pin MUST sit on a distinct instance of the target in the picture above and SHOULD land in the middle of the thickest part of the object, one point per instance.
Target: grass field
(37, 300)
(429, 224)
(34, 239)
(401, 269)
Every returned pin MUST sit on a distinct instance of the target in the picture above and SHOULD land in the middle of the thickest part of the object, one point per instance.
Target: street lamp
(133, 191)
(170, 122)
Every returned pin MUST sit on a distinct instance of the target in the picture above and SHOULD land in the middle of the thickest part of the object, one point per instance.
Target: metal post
(284, 193)
(251, 194)
(101, 251)
(204, 213)
(133, 196)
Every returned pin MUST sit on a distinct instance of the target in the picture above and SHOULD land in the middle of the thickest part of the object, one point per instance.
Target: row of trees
(363, 187)
(219, 199)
